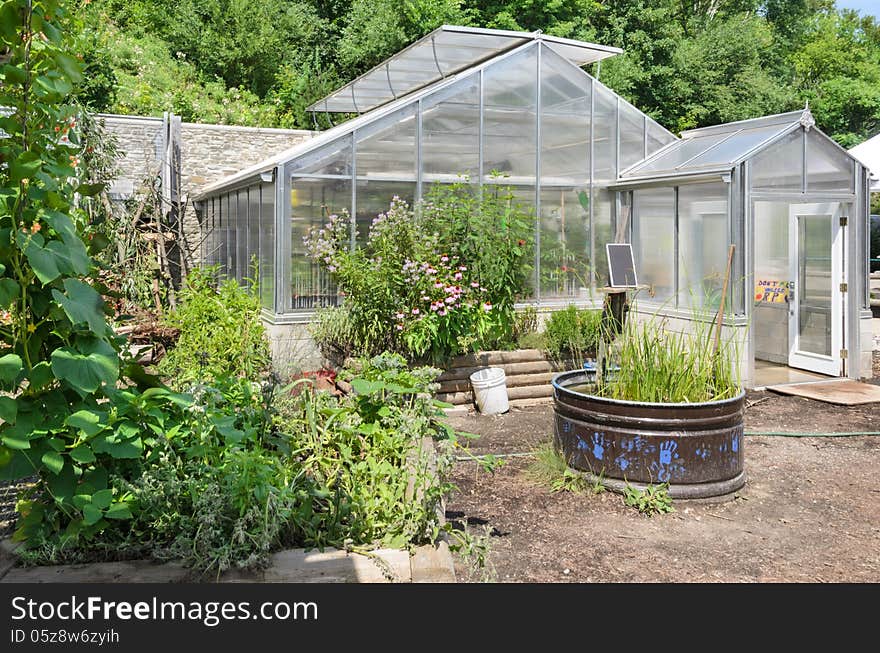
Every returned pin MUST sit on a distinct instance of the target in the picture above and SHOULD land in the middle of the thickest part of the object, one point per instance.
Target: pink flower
(399, 327)
(487, 307)
(457, 276)
(425, 298)
(463, 268)
(444, 259)
(450, 300)
(439, 284)
(474, 284)
(400, 316)
(415, 311)
(443, 312)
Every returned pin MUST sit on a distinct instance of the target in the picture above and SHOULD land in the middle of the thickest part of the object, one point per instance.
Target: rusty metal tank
(697, 448)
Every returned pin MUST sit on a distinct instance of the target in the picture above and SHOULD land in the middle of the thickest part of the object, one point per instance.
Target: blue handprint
(703, 452)
(622, 463)
(667, 450)
(734, 447)
(598, 446)
(566, 426)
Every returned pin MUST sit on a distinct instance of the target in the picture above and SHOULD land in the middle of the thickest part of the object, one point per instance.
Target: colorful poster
(769, 291)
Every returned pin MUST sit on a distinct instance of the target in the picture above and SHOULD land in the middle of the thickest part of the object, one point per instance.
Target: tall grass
(662, 366)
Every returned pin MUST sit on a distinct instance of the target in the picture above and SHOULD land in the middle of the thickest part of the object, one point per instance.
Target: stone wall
(204, 154)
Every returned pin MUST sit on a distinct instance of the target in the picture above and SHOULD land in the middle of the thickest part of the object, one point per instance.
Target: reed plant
(657, 365)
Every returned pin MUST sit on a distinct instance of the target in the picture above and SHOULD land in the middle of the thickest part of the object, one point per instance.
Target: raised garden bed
(528, 373)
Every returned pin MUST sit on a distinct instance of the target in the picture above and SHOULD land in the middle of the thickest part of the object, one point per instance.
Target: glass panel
(523, 197)
(657, 137)
(678, 155)
(451, 132)
(565, 122)
(311, 201)
(231, 237)
(253, 234)
(375, 197)
(632, 135)
(654, 241)
(331, 159)
(814, 284)
(702, 244)
(781, 166)
(565, 243)
(827, 167)
(732, 149)
(604, 135)
(770, 319)
(241, 221)
(387, 148)
(603, 230)
(509, 118)
(267, 245)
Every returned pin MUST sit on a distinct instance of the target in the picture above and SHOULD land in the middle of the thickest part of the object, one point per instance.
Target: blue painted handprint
(622, 462)
(703, 451)
(598, 446)
(566, 426)
(667, 450)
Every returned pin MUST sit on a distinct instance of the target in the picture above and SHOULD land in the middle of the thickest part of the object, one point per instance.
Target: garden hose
(786, 434)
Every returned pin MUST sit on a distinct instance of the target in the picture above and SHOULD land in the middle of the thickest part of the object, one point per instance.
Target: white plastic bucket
(490, 390)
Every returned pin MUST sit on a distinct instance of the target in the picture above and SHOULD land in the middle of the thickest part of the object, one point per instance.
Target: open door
(816, 315)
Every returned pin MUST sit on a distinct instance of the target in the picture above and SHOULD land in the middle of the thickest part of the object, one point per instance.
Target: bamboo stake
(723, 302)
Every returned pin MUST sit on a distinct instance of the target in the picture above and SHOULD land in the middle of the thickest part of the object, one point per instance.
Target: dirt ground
(810, 510)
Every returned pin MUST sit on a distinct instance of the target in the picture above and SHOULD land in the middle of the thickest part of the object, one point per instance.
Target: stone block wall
(206, 153)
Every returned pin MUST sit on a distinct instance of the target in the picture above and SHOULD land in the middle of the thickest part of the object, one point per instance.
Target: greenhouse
(493, 107)
(794, 205)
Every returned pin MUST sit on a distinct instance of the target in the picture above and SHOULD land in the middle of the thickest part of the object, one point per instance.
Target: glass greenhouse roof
(445, 51)
(716, 148)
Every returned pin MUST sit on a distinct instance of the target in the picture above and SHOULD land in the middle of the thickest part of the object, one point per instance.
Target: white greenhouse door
(815, 323)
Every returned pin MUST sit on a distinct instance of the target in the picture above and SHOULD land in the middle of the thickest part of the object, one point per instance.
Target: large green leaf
(50, 259)
(118, 510)
(26, 165)
(10, 367)
(91, 514)
(8, 409)
(86, 367)
(83, 454)
(40, 377)
(54, 461)
(9, 291)
(118, 448)
(89, 422)
(82, 304)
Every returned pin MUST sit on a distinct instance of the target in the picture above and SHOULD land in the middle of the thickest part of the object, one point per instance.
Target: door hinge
(843, 354)
(843, 287)
(843, 220)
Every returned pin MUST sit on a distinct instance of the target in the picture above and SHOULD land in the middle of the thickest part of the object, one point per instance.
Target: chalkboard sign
(621, 266)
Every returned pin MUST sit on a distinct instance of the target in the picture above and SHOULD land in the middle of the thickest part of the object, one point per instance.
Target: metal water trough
(697, 448)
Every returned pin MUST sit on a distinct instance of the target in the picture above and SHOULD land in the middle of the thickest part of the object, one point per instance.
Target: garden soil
(809, 512)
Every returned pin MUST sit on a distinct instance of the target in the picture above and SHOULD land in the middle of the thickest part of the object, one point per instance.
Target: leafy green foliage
(573, 333)
(652, 500)
(658, 365)
(550, 468)
(686, 64)
(446, 276)
(59, 361)
(221, 333)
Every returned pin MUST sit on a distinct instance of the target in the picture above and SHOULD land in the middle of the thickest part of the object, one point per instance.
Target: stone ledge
(429, 564)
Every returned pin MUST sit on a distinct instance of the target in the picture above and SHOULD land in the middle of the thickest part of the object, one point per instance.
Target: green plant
(552, 470)
(221, 333)
(654, 499)
(573, 333)
(429, 274)
(657, 365)
(59, 362)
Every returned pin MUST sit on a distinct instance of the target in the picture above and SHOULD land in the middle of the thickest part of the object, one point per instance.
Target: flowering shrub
(420, 286)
